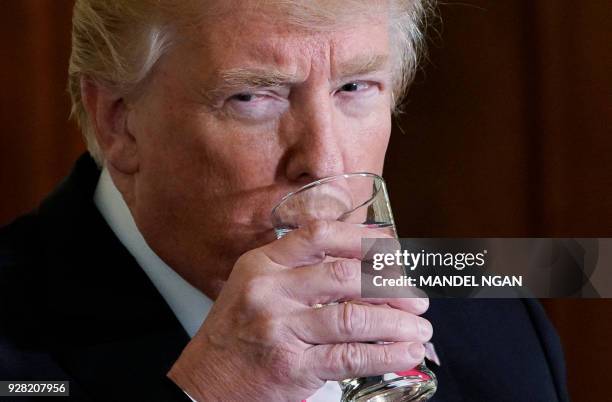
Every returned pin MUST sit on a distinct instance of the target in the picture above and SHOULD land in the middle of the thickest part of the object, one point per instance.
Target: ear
(108, 113)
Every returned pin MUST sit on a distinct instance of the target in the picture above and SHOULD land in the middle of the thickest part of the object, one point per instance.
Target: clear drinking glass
(359, 198)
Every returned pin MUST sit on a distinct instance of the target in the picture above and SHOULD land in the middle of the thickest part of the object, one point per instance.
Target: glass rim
(326, 180)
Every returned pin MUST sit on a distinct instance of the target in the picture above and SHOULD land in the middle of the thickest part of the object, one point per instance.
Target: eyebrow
(245, 78)
(252, 78)
(362, 65)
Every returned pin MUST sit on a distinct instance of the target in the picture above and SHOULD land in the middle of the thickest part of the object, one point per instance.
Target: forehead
(288, 38)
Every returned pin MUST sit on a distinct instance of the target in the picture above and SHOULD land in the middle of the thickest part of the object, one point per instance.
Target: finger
(352, 322)
(414, 305)
(337, 280)
(312, 243)
(326, 282)
(348, 360)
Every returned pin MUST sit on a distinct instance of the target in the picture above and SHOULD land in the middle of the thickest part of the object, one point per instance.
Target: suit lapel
(109, 321)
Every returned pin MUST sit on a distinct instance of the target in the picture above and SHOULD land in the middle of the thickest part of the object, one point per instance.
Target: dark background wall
(506, 132)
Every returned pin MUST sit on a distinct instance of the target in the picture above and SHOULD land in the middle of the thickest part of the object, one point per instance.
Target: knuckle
(252, 261)
(353, 319)
(329, 361)
(256, 288)
(317, 232)
(342, 271)
(269, 328)
(249, 264)
(260, 283)
(386, 357)
(307, 370)
(272, 341)
(401, 324)
(245, 260)
(353, 358)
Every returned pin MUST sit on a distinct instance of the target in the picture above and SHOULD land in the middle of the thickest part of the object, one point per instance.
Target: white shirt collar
(189, 304)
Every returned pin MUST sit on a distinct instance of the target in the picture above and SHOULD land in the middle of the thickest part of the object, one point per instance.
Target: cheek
(217, 164)
(368, 143)
(192, 144)
(211, 183)
(245, 159)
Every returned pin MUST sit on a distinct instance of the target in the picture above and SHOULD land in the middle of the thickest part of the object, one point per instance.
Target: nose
(316, 149)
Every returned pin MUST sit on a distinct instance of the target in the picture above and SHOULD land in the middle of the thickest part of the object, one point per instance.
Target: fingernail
(425, 329)
(423, 303)
(416, 351)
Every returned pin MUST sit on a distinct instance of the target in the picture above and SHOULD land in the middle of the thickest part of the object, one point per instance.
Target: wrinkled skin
(234, 116)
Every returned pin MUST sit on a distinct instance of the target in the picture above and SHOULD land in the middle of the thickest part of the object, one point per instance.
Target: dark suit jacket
(75, 305)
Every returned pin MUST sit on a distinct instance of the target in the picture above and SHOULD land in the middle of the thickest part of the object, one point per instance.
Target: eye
(354, 86)
(245, 97)
(256, 106)
(357, 98)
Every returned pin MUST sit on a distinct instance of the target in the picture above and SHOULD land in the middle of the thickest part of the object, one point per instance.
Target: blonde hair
(117, 42)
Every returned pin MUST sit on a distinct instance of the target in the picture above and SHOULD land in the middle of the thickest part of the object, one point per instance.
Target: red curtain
(506, 132)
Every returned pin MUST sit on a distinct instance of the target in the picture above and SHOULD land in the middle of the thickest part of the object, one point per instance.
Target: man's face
(246, 110)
